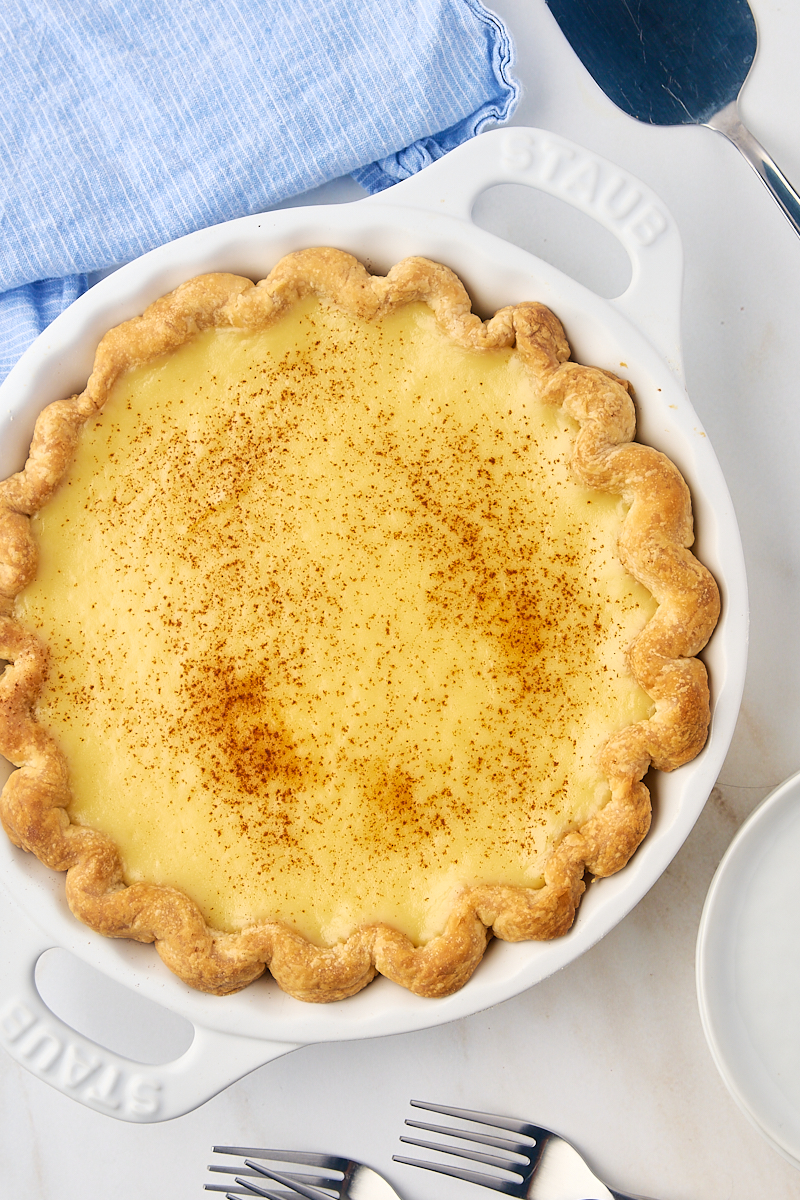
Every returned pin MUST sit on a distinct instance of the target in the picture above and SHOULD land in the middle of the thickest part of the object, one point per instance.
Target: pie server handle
(97, 1077)
(728, 122)
(618, 201)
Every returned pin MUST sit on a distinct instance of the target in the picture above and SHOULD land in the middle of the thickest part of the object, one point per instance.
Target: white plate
(638, 333)
(748, 968)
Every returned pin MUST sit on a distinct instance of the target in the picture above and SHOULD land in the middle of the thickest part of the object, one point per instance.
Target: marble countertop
(610, 1051)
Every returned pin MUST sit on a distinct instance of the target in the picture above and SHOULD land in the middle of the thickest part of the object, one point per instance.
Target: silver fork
(341, 1178)
(543, 1165)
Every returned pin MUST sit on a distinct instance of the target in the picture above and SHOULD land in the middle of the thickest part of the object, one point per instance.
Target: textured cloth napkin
(125, 124)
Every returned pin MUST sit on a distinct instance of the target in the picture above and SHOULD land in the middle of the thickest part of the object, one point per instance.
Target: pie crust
(653, 547)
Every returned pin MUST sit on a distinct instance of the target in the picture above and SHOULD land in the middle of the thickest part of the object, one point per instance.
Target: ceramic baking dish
(430, 215)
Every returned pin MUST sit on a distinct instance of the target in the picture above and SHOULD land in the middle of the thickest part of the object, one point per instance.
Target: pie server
(675, 62)
(638, 333)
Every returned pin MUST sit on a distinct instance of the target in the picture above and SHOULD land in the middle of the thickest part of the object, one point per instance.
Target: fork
(545, 1166)
(357, 1182)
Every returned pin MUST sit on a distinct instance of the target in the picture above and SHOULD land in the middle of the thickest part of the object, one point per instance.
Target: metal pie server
(675, 62)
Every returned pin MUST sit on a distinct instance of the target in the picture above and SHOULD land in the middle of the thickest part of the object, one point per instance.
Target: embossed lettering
(517, 152)
(41, 1047)
(103, 1088)
(555, 157)
(143, 1095)
(620, 198)
(557, 168)
(78, 1065)
(583, 185)
(108, 1085)
(15, 1019)
(648, 225)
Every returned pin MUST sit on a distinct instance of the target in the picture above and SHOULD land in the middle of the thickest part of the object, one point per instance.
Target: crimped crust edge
(654, 548)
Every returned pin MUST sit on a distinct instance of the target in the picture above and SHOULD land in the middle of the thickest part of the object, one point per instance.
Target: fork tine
(330, 1161)
(320, 1181)
(290, 1181)
(245, 1178)
(254, 1191)
(488, 1160)
(485, 1139)
(483, 1118)
(489, 1181)
(251, 1170)
(258, 1191)
(242, 1191)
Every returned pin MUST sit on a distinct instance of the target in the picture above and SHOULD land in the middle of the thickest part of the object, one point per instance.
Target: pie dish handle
(617, 200)
(100, 1078)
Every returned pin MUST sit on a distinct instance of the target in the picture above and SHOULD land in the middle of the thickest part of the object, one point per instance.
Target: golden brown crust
(654, 548)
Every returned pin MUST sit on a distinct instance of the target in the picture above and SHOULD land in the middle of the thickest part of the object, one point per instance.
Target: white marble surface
(610, 1051)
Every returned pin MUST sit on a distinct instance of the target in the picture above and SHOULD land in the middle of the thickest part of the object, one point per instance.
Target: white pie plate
(429, 214)
(748, 968)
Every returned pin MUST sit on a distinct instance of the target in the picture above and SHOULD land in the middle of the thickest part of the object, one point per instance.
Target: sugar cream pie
(341, 629)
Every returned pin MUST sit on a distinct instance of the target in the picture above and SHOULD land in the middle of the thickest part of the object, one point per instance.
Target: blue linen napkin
(125, 124)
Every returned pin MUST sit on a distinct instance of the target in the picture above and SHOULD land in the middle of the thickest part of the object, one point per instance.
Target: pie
(341, 629)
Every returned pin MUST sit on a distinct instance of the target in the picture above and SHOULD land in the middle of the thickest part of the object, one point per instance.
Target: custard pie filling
(330, 646)
(333, 629)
